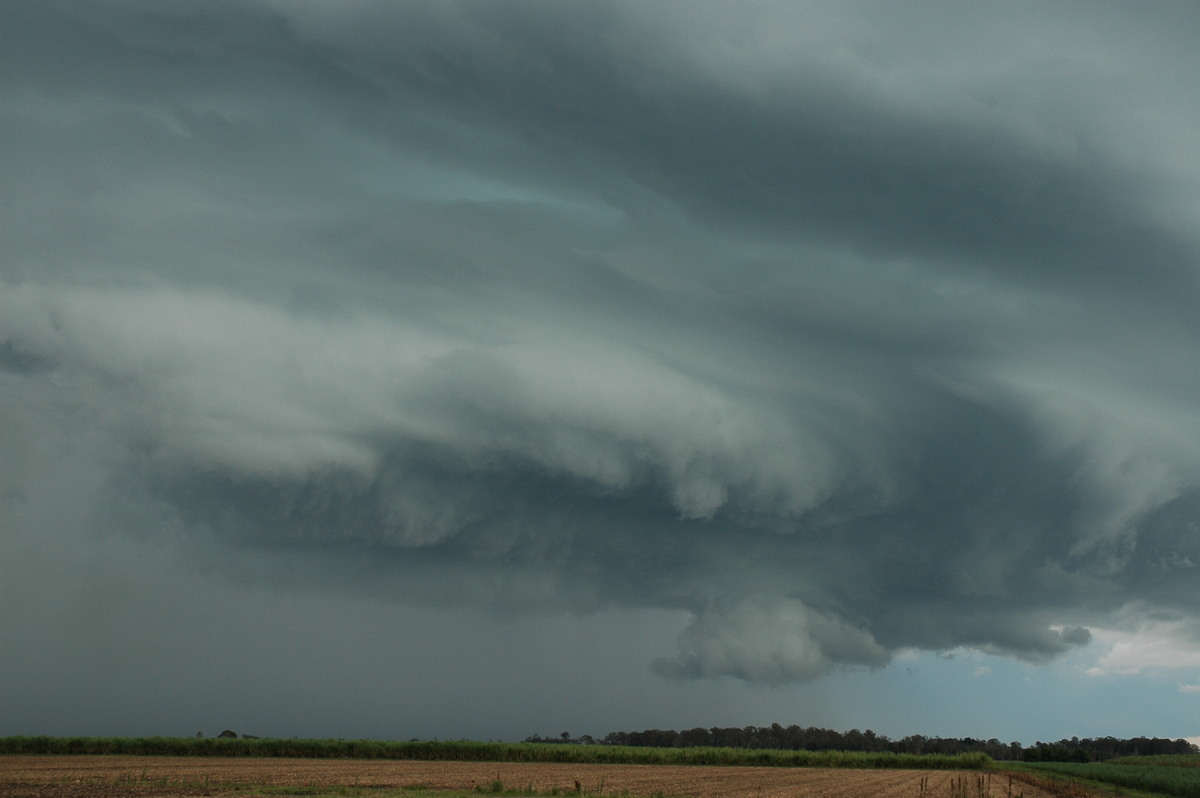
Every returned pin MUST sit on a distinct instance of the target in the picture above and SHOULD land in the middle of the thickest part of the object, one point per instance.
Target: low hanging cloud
(839, 351)
(773, 641)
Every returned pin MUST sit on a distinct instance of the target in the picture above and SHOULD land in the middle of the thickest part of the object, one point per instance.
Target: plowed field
(149, 777)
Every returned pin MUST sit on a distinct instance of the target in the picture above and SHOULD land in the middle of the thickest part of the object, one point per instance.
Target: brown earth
(177, 777)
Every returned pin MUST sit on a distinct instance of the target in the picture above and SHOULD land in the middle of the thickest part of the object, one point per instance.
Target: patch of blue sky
(999, 697)
(388, 174)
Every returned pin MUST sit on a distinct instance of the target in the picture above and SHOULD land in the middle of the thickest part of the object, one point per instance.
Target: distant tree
(795, 738)
(692, 738)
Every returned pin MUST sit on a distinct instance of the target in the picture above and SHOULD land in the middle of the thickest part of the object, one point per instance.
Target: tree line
(797, 738)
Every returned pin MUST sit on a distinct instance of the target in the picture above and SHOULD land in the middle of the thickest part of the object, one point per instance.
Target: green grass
(1164, 760)
(467, 751)
(1177, 779)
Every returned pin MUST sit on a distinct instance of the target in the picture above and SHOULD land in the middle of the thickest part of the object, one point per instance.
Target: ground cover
(46, 776)
(1167, 775)
(1169, 760)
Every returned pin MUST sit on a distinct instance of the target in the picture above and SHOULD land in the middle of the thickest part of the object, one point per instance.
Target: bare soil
(178, 777)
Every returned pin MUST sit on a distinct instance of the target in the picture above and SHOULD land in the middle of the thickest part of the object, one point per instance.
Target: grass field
(1173, 760)
(1164, 775)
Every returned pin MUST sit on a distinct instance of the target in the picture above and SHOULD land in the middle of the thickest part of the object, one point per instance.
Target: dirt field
(148, 777)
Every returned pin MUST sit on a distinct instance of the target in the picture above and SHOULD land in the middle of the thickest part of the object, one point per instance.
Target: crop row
(1167, 779)
(1170, 760)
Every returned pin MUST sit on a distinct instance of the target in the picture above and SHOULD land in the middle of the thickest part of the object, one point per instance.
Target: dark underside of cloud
(842, 350)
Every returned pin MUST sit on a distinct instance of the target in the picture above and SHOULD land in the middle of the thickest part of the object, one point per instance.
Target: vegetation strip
(466, 751)
(1189, 761)
(1164, 776)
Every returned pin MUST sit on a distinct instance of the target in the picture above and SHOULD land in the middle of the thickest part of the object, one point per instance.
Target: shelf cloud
(842, 330)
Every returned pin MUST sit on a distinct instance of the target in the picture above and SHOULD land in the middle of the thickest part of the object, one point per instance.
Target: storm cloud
(842, 330)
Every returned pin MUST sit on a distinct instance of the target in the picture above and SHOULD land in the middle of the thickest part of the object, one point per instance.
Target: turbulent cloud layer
(843, 329)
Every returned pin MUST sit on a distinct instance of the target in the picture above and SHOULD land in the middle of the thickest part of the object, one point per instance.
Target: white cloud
(1162, 645)
(1189, 688)
(240, 384)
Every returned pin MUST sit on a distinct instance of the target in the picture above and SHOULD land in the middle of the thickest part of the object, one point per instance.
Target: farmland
(93, 767)
(85, 776)
(1165, 775)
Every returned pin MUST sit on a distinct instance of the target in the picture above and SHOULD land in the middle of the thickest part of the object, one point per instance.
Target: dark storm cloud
(825, 155)
(840, 349)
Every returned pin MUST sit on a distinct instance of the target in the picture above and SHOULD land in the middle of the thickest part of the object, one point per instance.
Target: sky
(481, 370)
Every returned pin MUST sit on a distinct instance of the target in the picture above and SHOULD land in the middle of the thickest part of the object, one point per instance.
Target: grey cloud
(1039, 646)
(503, 306)
(773, 641)
(815, 156)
